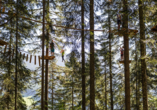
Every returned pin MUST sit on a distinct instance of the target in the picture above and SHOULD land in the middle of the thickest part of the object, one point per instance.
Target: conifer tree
(143, 53)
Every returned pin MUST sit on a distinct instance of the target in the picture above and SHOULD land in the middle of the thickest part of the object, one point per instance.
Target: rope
(60, 26)
(56, 25)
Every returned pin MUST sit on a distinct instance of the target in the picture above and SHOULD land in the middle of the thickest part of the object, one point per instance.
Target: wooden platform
(121, 32)
(3, 42)
(123, 61)
(48, 57)
(154, 29)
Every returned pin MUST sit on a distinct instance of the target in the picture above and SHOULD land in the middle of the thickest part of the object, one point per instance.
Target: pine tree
(143, 53)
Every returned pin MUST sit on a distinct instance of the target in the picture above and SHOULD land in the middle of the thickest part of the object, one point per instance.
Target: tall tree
(83, 59)
(43, 40)
(143, 53)
(47, 61)
(16, 67)
(110, 61)
(126, 55)
(105, 86)
(92, 75)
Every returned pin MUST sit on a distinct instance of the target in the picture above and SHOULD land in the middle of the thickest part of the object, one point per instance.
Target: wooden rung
(35, 59)
(27, 58)
(23, 56)
(123, 61)
(48, 57)
(30, 58)
(120, 32)
(39, 60)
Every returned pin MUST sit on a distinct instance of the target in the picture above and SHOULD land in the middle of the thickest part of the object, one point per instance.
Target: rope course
(121, 32)
(53, 25)
(22, 55)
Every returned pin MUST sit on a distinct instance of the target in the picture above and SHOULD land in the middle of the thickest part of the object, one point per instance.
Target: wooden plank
(23, 56)
(3, 10)
(35, 59)
(27, 58)
(39, 60)
(30, 58)
(123, 61)
(48, 57)
(120, 32)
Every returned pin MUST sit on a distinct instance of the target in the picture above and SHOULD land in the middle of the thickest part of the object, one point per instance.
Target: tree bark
(92, 75)
(137, 79)
(46, 82)
(105, 87)
(72, 94)
(83, 60)
(0, 7)
(52, 91)
(126, 56)
(110, 61)
(47, 61)
(43, 39)
(143, 53)
(16, 65)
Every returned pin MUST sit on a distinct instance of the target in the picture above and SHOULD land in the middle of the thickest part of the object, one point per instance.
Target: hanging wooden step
(30, 59)
(23, 56)
(27, 57)
(48, 57)
(123, 61)
(3, 42)
(35, 59)
(39, 60)
(121, 32)
(154, 29)
(3, 10)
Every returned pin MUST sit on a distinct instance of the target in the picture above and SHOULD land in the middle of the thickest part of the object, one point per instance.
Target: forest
(78, 55)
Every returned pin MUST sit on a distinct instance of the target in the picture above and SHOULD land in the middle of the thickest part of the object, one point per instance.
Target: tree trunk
(143, 53)
(92, 75)
(52, 91)
(110, 61)
(16, 65)
(83, 61)
(0, 7)
(137, 79)
(47, 61)
(43, 39)
(46, 81)
(126, 56)
(105, 87)
(72, 94)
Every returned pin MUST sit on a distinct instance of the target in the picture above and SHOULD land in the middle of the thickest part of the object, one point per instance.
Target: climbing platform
(48, 57)
(3, 42)
(154, 29)
(123, 61)
(121, 32)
